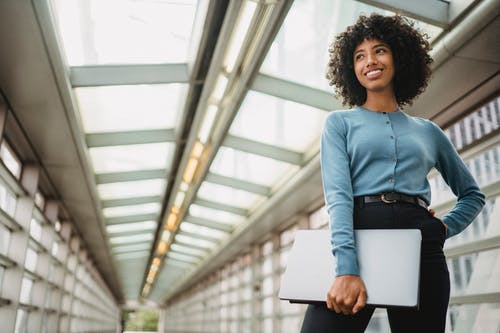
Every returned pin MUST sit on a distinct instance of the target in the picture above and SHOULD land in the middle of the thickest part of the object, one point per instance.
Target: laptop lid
(389, 261)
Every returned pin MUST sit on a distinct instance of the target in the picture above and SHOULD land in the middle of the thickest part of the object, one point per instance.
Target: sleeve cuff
(347, 263)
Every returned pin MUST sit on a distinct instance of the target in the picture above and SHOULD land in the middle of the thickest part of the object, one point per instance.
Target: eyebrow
(373, 47)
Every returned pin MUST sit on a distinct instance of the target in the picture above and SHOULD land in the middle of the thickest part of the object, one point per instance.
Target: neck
(383, 101)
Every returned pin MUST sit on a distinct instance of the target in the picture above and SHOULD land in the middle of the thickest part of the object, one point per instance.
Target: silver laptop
(389, 262)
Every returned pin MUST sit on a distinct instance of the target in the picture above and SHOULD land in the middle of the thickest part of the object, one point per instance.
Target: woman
(374, 163)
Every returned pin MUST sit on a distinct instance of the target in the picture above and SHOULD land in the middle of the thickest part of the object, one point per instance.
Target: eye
(359, 57)
(380, 51)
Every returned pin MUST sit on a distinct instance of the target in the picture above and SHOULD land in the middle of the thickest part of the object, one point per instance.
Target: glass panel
(187, 250)
(2, 270)
(10, 159)
(4, 239)
(474, 273)
(132, 255)
(131, 189)
(21, 321)
(126, 108)
(131, 239)
(182, 257)
(227, 195)
(26, 286)
(250, 167)
(31, 259)
(197, 229)
(35, 229)
(278, 122)
(39, 200)
(299, 51)
(125, 31)
(474, 317)
(55, 249)
(153, 207)
(131, 248)
(130, 157)
(214, 215)
(191, 240)
(319, 219)
(138, 226)
(7, 200)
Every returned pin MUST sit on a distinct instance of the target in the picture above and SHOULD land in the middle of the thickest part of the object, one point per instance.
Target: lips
(374, 73)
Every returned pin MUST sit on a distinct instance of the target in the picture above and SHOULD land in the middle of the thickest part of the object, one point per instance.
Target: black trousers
(430, 317)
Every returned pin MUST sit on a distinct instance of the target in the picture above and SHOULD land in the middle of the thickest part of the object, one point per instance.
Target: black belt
(389, 198)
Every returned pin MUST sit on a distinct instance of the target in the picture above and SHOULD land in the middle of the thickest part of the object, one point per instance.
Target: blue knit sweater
(365, 152)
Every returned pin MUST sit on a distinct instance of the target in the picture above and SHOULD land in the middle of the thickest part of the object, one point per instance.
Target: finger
(360, 303)
(329, 304)
(432, 211)
(336, 308)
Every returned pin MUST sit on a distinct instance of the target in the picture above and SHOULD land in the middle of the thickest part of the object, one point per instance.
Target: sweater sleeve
(337, 187)
(470, 199)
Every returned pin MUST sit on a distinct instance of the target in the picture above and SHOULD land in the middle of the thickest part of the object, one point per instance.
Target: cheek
(358, 73)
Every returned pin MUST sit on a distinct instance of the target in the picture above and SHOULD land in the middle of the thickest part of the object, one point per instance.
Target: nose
(371, 59)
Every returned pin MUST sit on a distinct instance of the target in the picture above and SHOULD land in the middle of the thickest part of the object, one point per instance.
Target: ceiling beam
(208, 223)
(198, 236)
(129, 137)
(221, 206)
(130, 201)
(118, 177)
(292, 91)
(131, 218)
(238, 184)
(110, 75)
(263, 149)
(435, 12)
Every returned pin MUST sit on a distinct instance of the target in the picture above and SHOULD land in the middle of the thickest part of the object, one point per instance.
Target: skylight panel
(227, 195)
(278, 122)
(125, 31)
(131, 157)
(131, 189)
(249, 167)
(126, 108)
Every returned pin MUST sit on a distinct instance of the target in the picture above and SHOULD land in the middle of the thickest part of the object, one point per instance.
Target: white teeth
(372, 73)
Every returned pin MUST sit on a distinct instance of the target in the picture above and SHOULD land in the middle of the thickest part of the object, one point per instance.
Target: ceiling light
(190, 169)
(172, 221)
(243, 22)
(208, 122)
(162, 248)
(184, 187)
(156, 261)
(179, 199)
(165, 236)
(197, 149)
(220, 88)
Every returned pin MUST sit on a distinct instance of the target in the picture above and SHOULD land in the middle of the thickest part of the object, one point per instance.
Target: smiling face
(374, 66)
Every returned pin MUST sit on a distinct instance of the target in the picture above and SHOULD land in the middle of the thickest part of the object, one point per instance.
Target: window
(4, 239)
(21, 321)
(31, 259)
(26, 288)
(7, 200)
(36, 229)
(10, 160)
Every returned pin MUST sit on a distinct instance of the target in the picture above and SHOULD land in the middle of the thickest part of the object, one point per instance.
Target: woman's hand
(347, 294)
(433, 213)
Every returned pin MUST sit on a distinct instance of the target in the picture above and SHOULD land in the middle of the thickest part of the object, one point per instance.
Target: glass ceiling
(131, 130)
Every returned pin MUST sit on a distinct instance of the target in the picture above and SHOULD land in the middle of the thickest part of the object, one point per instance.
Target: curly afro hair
(410, 51)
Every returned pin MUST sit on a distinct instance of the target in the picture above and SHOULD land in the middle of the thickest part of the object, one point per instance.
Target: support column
(256, 289)
(50, 239)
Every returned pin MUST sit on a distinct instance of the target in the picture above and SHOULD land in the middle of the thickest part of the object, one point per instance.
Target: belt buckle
(386, 200)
